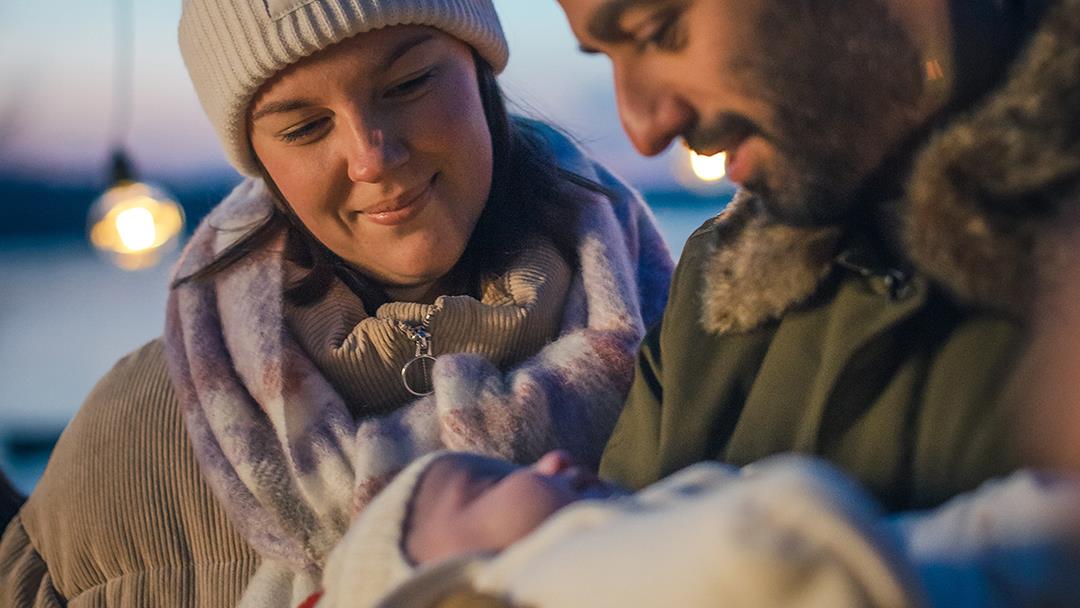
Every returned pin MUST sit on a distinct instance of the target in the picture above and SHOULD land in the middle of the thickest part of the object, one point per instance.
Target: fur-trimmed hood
(983, 204)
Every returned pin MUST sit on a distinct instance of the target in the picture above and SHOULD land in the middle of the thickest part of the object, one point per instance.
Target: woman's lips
(403, 208)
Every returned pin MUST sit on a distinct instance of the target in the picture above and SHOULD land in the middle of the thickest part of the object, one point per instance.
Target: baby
(789, 531)
(465, 503)
(458, 529)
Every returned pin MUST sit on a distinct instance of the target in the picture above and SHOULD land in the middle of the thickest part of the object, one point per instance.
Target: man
(864, 296)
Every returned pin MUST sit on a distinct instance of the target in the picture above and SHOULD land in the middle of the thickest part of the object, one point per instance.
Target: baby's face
(467, 503)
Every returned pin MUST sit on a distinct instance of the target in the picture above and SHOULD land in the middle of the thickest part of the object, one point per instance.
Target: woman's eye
(307, 131)
(666, 34)
(411, 85)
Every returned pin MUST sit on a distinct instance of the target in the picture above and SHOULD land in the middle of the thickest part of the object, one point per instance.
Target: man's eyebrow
(291, 105)
(606, 23)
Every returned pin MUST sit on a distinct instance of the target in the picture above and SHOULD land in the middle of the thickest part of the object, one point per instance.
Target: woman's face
(381, 147)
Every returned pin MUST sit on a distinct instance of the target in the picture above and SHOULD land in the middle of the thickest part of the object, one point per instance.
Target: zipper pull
(423, 341)
(416, 374)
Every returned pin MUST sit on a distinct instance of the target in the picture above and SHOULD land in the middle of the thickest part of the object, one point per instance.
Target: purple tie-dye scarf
(277, 443)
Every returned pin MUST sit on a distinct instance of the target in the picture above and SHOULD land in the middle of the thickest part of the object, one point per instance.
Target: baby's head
(466, 503)
(449, 504)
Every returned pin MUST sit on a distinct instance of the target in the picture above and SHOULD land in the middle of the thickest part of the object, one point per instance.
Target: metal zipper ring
(405, 374)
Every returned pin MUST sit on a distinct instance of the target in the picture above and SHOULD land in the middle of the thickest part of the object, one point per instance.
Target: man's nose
(652, 113)
(554, 462)
(372, 151)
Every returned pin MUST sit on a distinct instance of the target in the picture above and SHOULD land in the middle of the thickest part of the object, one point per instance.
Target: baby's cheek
(433, 537)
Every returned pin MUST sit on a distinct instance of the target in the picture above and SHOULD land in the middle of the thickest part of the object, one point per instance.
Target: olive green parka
(891, 357)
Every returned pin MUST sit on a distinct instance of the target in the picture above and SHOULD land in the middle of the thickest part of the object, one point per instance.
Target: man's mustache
(720, 134)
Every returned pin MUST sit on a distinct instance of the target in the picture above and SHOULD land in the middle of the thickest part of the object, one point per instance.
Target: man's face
(805, 96)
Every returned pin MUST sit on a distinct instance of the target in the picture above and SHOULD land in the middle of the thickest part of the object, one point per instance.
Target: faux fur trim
(987, 194)
(985, 198)
(756, 270)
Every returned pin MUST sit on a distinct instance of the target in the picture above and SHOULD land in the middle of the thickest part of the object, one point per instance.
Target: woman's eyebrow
(279, 107)
(406, 45)
(291, 105)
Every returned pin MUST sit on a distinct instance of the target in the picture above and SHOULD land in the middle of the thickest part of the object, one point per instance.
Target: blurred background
(81, 285)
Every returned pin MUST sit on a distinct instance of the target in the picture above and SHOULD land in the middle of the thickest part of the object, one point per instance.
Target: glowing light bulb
(134, 224)
(708, 168)
(136, 228)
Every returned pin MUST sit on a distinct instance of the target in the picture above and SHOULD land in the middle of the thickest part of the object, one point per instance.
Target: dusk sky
(56, 87)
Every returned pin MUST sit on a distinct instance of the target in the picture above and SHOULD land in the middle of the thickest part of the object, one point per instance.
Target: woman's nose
(651, 113)
(554, 462)
(371, 153)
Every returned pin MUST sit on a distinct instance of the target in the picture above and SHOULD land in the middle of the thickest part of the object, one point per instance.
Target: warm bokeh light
(702, 175)
(134, 224)
(708, 168)
(136, 228)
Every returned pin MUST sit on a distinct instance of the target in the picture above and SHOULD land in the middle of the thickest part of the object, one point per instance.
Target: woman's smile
(402, 208)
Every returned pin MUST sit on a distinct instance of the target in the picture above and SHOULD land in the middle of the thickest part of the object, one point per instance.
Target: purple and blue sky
(56, 89)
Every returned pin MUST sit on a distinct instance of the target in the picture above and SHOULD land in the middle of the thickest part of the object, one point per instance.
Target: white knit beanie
(370, 559)
(232, 47)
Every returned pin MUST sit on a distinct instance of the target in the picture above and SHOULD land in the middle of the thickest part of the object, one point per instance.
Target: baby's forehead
(467, 466)
(449, 478)
(448, 483)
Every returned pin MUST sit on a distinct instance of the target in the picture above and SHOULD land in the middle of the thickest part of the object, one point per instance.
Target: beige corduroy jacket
(122, 513)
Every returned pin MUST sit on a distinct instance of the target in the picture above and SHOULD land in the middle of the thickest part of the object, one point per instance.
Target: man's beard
(843, 82)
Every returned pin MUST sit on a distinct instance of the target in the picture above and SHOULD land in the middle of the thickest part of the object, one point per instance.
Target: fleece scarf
(291, 455)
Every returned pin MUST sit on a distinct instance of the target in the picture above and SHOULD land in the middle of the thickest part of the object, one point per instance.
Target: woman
(405, 269)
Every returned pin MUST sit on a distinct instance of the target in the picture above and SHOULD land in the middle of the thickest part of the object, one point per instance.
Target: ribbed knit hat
(232, 47)
(370, 559)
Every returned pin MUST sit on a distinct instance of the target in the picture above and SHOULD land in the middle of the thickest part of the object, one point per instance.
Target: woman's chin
(420, 289)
